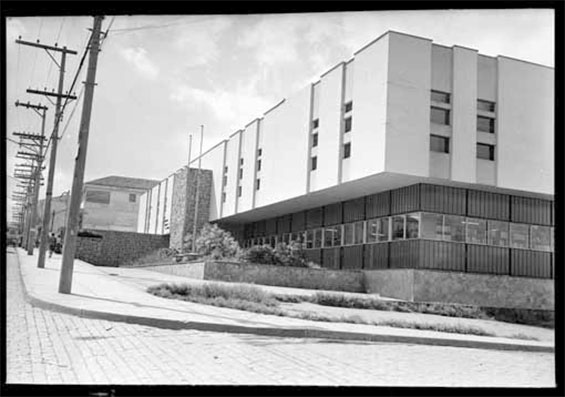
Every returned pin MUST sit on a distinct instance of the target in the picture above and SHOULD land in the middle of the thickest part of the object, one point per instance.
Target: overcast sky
(160, 77)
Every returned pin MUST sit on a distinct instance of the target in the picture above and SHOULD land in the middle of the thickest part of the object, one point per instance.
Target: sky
(160, 77)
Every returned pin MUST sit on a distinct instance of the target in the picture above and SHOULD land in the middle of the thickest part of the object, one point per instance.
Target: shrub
(214, 243)
(283, 254)
(261, 254)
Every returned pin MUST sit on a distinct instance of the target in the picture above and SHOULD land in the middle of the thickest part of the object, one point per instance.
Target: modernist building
(112, 203)
(410, 155)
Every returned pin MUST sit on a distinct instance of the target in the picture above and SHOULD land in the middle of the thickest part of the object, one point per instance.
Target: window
(314, 163)
(259, 152)
(432, 226)
(259, 165)
(223, 197)
(398, 227)
(377, 230)
(519, 236)
(348, 234)
(347, 150)
(540, 238)
(315, 123)
(298, 237)
(98, 196)
(226, 169)
(485, 152)
(286, 238)
(240, 161)
(438, 96)
(258, 184)
(239, 191)
(315, 140)
(309, 239)
(454, 228)
(348, 122)
(497, 233)
(383, 234)
(439, 116)
(485, 124)
(412, 225)
(485, 105)
(318, 238)
(332, 236)
(132, 197)
(476, 231)
(241, 173)
(439, 144)
(225, 180)
(348, 106)
(359, 228)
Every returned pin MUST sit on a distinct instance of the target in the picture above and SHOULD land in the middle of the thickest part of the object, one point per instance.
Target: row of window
(421, 225)
(441, 144)
(441, 116)
(103, 197)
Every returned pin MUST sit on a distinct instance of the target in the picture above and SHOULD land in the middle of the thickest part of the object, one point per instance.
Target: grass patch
(255, 300)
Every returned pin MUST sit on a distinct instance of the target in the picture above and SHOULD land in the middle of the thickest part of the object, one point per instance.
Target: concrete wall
(120, 214)
(525, 119)
(115, 248)
(369, 110)
(462, 288)
(232, 162)
(178, 208)
(249, 156)
(285, 131)
(408, 105)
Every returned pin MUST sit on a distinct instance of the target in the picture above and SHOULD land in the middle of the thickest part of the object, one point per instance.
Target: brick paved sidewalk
(112, 294)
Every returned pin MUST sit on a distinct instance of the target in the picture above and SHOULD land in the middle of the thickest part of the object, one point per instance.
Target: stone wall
(113, 248)
(184, 202)
(463, 288)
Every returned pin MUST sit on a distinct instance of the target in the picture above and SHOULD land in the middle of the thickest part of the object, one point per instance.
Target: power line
(36, 53)
(56, 41)
(147, 27)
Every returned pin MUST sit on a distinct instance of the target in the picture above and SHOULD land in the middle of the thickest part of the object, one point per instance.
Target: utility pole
(69, 245)
(54, 136)
(42, 112)
(197, 189)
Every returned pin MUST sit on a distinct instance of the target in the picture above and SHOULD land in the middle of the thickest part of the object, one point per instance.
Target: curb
(276, 332)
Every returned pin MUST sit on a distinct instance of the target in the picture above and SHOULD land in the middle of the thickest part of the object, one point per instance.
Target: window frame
(491, 105)
(491, 125)
(347, 122)
(134, 198)
(446, 118)
(315, 139)
(446, 94)
(346, 150)
(346, 105)
(444, 139)
(313, 163)
(491, 151)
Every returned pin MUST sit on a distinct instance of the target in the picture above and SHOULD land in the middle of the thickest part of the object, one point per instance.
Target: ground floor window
(540, 238)
(398, 227)
(498, 233)
(518, 235)
(476, 232)
(332, 236)
(454, 228)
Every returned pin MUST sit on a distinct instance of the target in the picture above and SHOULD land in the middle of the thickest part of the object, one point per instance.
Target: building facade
(409, 155)
(112, 203)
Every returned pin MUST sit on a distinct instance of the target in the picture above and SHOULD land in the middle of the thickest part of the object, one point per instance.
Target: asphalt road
(54, 348)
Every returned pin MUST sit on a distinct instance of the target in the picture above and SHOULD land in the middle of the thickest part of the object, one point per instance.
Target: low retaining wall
(294, 277)
(113, 248)
(463, 288)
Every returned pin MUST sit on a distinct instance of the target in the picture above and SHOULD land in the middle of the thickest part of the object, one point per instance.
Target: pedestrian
(52, 244)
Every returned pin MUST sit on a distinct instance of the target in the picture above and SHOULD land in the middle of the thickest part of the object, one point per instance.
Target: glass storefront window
(348, 233)
(519, 236)
(476, 231)
(383, 229)
(298, 237)
(372, 230)
(432, 226)
(398, 227)
(332, 236)
(454, 228)
(318, 238)
(552, 239)
(309, 239)
(498, 233)
(540, 237)
(412, 225)
(359, 229)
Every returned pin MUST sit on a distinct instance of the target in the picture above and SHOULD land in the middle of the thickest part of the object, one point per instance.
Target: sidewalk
(118, 294)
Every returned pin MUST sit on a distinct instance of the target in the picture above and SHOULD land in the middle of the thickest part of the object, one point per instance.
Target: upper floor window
(225, 180)
(315, 123)
(259, 165)
(240, 173)
(485, 124)
(439, 116)
(239, 191)
(348, 106)
(132, 197)
(98, 196)
(315, 140)
(258, 184)
(226, 169)
(223, 197)
(485, 152)
(485, 105)
(259, 152)
(241, 161)
(347, 150)
(348, 124)
(439, 144)
(442, 97)
(314, 163)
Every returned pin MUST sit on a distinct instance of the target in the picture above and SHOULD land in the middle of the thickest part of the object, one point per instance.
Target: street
(52, 348)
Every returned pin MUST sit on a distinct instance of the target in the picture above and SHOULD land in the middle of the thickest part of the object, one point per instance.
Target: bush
(261, 254)
(283, 254)
(213, 243)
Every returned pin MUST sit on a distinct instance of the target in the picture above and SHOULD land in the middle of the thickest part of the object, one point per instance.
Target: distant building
(58, 212)
(112, 203)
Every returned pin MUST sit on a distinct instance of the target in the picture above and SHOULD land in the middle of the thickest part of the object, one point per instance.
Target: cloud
(137, 57)
(14, 29)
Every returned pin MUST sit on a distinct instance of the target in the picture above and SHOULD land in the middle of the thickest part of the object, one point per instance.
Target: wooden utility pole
(195, 220)
(37, 141)
(54, 137)
(69, 245)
